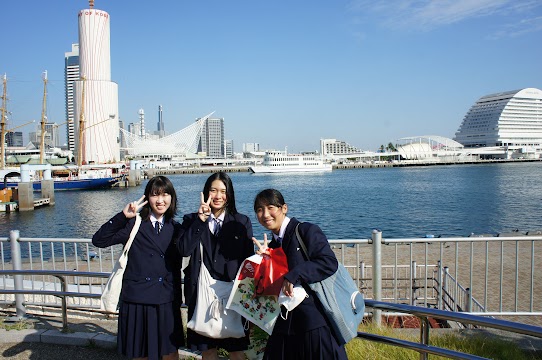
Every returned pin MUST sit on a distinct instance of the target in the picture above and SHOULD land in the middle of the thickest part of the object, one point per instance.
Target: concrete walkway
(93, 338)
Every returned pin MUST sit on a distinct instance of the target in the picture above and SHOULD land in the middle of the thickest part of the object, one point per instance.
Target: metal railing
(495, 275)
(429, 272)
(63, 293)
(423, 347)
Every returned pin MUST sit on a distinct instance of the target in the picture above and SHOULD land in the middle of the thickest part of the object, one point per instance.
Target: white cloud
(521, 27)
(429, 14)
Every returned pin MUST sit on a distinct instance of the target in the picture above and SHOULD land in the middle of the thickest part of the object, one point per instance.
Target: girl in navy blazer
(226, 236)
(303, 333)
(149, 324)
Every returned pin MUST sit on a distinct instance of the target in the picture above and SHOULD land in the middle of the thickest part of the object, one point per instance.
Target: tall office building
(51, 137)
(212, 138)
(135, 128)
(161, 131)
(71, 75)
(511, 119)
(14, 138)
(96, 95)
(51, 129)
(228, 149)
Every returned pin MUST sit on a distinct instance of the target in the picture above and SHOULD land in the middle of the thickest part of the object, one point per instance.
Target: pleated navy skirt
(317, 344)
(149, 330)
(199, 342)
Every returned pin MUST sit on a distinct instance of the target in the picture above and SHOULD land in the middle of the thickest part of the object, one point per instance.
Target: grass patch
(18, 325)
(482, 345)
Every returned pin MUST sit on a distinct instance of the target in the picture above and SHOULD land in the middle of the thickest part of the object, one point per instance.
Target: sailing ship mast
(43, 112)
(3, 125)
(81, 125)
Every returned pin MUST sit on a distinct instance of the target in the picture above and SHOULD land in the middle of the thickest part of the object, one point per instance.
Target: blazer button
(162, 256)
(148, 279)
(159, 279)
(152, 254)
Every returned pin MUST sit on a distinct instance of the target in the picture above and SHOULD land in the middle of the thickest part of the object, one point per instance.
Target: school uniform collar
(213, 220)
(282, 230)
(153, 219)
(219, 218)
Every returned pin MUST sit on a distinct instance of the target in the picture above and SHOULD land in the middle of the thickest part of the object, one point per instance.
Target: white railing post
(376, 236)
(361, 273)
(440, 285)
(413, 274)
(17, 279)
(445, 291)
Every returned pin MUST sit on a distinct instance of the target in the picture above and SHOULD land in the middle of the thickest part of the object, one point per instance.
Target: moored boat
(282, 162)
(70, 177)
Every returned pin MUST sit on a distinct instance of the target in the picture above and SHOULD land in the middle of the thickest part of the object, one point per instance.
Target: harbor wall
(355, 165)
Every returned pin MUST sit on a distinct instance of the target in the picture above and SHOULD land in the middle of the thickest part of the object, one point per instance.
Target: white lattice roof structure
(182, 143)
(427, 146)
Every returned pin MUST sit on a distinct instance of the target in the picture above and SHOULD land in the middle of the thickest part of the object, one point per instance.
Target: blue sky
(285, 73)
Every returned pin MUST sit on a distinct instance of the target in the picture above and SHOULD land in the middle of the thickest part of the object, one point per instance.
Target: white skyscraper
(212, 138)
(96, 95)
(71, 75)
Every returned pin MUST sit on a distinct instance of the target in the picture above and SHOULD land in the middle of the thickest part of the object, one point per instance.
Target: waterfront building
(228, 149)
(14, 138)
(212, 137)
(71, 75)
(181, 145)
(96, 95)
(336, 147)
(251, 147)
(430, 147)
(511, 120)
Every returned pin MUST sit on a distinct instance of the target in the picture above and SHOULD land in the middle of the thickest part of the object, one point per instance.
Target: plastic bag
(261, 310)
(269, 275)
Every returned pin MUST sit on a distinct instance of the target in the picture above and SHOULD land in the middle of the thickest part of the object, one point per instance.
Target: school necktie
(279, 240)
(217, 227)
(157, 226)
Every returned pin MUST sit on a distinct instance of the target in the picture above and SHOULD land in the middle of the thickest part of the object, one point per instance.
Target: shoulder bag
(111, 293)
(344, 306)
(211, 318)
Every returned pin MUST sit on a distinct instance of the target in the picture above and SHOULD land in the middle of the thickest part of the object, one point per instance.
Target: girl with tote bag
(304, 333)
(149, 324)
(218, 239)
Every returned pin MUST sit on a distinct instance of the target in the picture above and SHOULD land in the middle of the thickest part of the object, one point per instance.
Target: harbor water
(454, 200)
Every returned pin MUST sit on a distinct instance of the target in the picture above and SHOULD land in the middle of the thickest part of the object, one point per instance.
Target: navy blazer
(153, 272)
(222, 255)
(308, 315)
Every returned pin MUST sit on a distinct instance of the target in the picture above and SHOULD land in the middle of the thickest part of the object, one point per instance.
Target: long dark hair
(156, 186)
(230, 194)
(268, 197)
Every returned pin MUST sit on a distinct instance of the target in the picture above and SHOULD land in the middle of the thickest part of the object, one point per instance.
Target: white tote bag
(211, 318)
(111, 292)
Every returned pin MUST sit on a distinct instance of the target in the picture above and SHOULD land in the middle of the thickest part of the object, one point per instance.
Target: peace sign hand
(204, 210)
(131, 209)
(262, 249)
